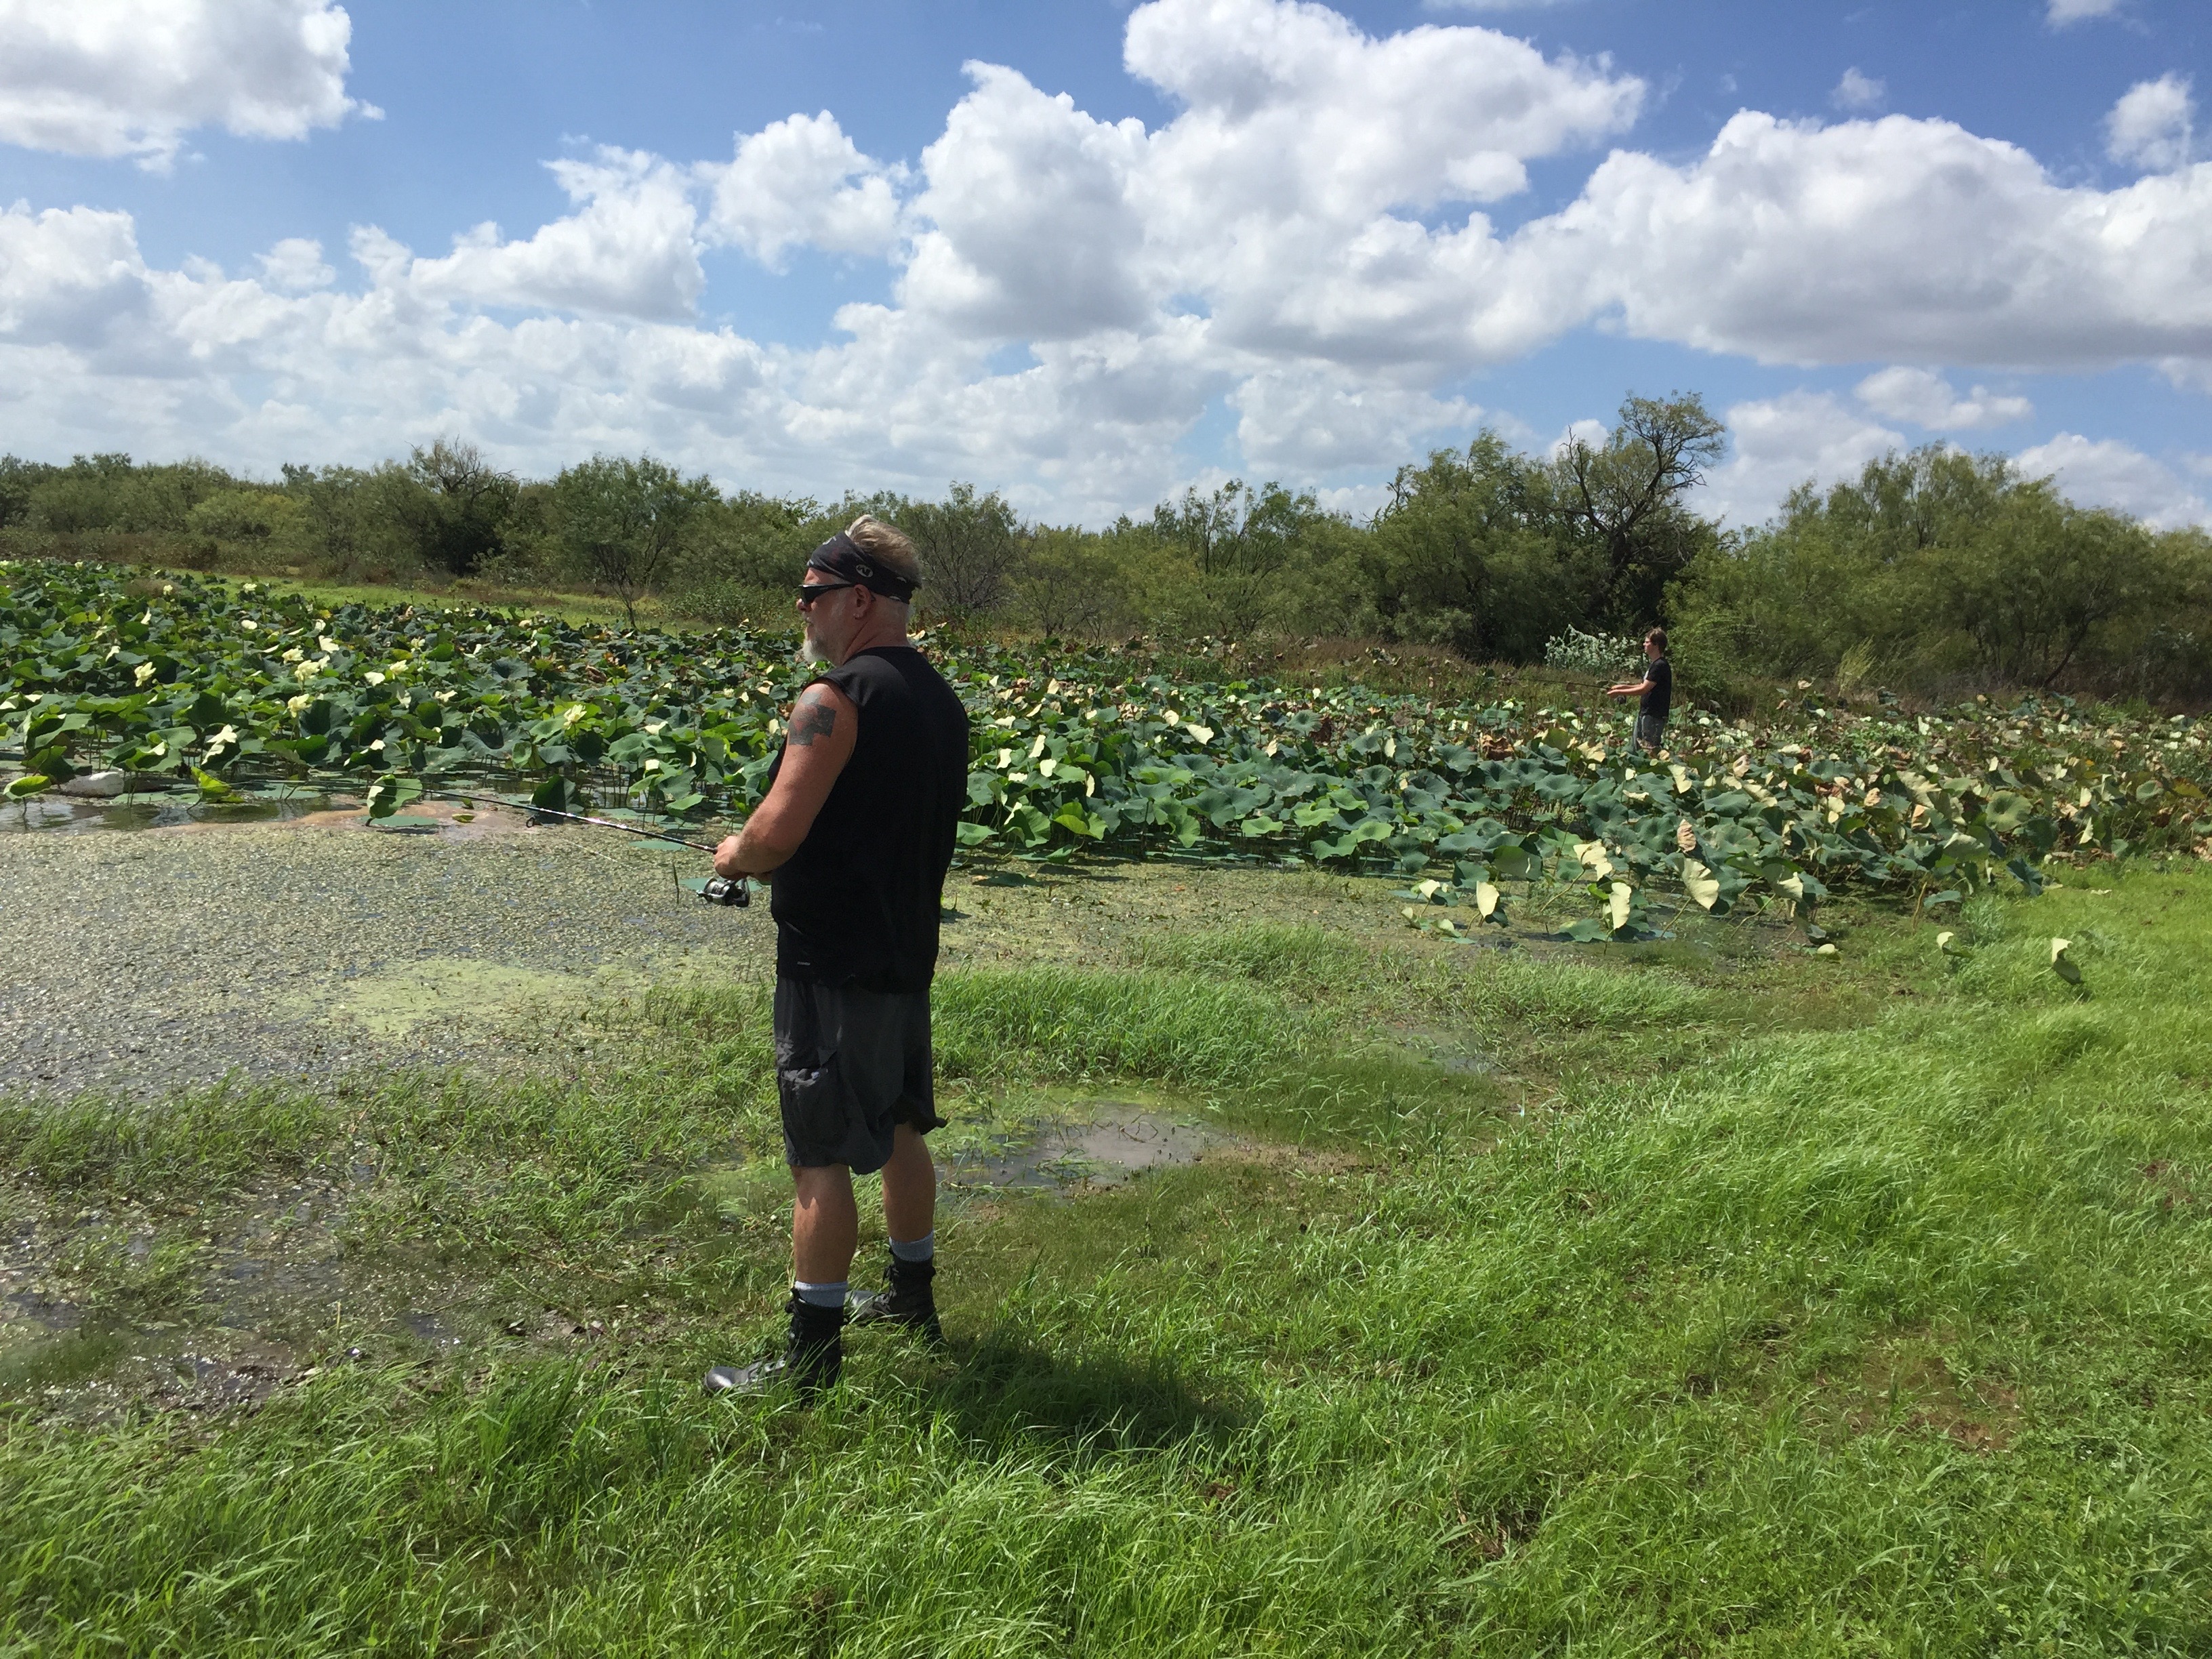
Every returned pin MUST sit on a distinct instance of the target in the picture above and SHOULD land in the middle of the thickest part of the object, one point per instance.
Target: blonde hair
(886, 546)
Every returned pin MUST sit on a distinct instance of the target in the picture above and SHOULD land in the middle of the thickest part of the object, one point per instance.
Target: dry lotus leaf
(1618, 908)
(1700, 883)
(1685, 837)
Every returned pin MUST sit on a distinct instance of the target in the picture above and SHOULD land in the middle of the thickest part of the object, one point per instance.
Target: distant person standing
(1655, 690)
(855, 833)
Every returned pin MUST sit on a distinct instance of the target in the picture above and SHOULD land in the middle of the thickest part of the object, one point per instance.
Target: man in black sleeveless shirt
(855, 835)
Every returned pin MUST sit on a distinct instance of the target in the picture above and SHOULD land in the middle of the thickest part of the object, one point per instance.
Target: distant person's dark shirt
(1654, 702)
(857, 903)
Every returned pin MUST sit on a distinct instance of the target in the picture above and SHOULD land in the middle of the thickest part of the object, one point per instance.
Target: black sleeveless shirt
(857, 904)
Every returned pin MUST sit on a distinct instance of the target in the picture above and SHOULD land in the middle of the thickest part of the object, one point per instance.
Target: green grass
(1492, 990)
(1055, 1024)
(1847, 1305)
(537, 602)
(203, 1141)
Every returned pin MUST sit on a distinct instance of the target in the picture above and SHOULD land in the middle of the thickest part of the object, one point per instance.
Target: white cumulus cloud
(2152, 126)
(69, 277)
(1927, 399)
(628, 250)
(295, 265)
(2105, 472)
(1306, 421)
(131, 77)
(1897, 239)
(1032, 230)
(1301, 198)
(2063, 12)
(1857, 90)
(801, 182)
(1779, 443)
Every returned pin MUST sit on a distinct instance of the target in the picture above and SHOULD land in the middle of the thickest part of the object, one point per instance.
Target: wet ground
(271, 1286)
(1108, 1142)
(278, 1296)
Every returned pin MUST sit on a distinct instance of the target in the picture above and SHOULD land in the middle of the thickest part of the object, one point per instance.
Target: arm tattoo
(813, 720)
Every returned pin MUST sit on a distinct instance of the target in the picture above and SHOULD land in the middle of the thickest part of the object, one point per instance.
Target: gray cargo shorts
(1650, 728)
(850, 1066)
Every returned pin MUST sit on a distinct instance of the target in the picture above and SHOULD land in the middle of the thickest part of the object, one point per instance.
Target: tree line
(1934, 571)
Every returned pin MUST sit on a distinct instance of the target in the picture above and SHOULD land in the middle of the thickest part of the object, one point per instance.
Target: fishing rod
(716, 890)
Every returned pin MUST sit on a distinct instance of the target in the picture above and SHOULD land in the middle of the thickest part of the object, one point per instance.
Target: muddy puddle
(1121, 1141)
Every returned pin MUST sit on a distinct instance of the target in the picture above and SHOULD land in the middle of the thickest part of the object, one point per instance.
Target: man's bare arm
(824, 725)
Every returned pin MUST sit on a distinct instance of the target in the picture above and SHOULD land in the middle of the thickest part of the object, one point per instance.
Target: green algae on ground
(173, 955)
(397, 998)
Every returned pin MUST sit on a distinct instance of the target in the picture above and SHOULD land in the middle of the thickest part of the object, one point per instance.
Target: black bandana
(840, 556)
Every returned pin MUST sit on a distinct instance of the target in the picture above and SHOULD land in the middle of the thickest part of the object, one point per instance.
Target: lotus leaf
(1105, 748)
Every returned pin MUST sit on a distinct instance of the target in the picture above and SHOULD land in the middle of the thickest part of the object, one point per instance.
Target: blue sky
(1318, 242)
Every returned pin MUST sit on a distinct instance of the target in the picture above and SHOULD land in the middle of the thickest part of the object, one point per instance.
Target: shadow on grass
(1001, 1390)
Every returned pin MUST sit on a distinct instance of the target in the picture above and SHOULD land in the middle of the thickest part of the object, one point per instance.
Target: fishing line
(716, 890)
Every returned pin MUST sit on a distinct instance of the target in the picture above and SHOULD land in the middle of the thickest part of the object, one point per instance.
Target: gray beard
(809, 653)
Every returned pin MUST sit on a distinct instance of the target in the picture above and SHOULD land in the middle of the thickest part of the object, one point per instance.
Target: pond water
(165, 804)
(157, 810)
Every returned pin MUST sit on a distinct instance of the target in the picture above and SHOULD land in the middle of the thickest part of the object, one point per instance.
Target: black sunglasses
(808, 592)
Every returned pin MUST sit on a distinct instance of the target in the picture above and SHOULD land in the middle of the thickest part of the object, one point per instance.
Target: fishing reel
(726, 890)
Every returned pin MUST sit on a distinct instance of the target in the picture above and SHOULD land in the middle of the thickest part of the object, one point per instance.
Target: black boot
(811, 1361)
(906, 1299)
